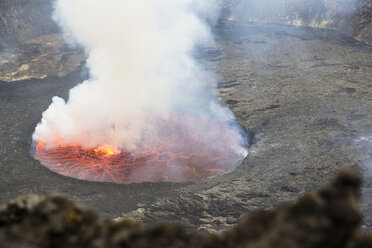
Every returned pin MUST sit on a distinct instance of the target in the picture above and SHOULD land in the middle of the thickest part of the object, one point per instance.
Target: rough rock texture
(21, 20)
(305, 95)
(39, 57)
(325, 218)
(30, 43)
(353, 17)
(361, 23)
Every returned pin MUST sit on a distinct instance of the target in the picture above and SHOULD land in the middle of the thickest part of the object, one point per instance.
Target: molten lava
(173, 154)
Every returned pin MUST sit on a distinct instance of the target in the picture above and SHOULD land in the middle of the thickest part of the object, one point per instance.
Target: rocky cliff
(21, 20)
(32, 47)
(30, 43)
(326, 218)
(353, 18)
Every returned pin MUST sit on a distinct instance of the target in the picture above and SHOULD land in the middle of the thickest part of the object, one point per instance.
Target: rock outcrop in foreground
(328, 218)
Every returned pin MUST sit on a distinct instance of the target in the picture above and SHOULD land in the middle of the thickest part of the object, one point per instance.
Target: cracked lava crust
(184, 148)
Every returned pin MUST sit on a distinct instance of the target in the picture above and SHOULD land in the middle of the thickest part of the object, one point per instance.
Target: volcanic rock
(31, 45)
(328, 217)
(303, 93)
(353, 18)
(21, 20)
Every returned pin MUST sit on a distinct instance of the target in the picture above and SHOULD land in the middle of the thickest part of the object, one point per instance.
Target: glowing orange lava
(173, 154)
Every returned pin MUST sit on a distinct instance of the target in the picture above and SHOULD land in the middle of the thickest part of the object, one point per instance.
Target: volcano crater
(306, 73)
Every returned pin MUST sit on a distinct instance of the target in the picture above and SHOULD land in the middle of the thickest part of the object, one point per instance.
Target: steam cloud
(141, 67)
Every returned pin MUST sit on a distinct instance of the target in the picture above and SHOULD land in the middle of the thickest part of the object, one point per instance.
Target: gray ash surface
(328, 217)
(305, 94)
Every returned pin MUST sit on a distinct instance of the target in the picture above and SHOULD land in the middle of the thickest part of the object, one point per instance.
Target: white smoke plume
(141, 67)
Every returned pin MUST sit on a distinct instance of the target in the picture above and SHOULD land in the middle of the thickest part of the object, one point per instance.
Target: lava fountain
(149, 110)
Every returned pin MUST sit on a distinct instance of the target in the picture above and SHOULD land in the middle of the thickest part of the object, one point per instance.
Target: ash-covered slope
(305, 94)
(28, 33)
(30, 43)
(326, 218)
(353, 18)
(21, 20)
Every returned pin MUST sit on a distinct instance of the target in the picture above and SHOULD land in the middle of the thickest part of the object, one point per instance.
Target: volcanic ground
(304, 94)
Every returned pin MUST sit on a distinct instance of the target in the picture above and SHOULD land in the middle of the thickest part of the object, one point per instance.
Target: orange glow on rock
(170, 155)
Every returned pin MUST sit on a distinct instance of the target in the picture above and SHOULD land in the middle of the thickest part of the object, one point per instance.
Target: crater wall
(21, 20)
(353, 17)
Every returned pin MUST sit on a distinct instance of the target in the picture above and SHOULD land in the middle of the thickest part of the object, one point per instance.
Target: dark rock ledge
(328, 218)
